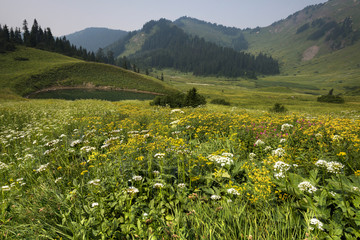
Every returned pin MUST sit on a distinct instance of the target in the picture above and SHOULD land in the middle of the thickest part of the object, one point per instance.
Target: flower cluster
(215, 197)
(233, 191)
(278, 152)
(222, 160)
(307, 187)
(317, 223)
(280, 167)
(286, 126)
(132, 190)
(331, 167)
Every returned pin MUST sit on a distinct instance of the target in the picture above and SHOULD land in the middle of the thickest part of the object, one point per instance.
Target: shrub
(191, 99)
(220, 101)
(278, 108)
(330, 98)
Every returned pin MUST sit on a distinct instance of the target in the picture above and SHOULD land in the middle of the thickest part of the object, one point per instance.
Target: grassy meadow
(91, 169)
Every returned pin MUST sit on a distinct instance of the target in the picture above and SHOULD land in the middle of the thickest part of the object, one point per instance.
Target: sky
(68, 16)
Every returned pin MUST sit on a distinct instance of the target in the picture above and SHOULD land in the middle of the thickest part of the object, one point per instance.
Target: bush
(278, 108)
(330, 99)
(191, 99)
(220, 101)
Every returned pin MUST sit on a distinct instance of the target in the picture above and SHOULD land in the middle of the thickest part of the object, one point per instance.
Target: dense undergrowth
(126, 170)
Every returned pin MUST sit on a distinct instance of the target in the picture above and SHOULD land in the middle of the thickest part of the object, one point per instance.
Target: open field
(94, 169)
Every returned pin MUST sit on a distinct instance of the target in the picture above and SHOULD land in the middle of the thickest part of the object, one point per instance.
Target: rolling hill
(94, 38)
(27, 70)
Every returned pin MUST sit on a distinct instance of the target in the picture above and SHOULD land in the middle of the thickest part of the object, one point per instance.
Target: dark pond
(111, 95)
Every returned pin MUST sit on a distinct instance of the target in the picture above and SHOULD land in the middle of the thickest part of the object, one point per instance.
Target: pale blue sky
(68, 16)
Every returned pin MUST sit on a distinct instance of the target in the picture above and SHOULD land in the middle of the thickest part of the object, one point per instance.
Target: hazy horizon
(68, 16)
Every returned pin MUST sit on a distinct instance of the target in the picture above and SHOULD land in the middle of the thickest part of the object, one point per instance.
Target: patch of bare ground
(310, 53)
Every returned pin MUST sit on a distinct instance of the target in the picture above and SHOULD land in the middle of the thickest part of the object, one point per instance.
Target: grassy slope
(45, 69)
(339, 69)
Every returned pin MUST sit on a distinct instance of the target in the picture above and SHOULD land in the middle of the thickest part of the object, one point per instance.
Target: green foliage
(330, 98)
(220, 101)
(191, 99)
(170, 47)
(278, 108)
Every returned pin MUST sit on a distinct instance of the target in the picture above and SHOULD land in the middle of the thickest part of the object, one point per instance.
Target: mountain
(94, 38)
(219, 34)
(162, 44)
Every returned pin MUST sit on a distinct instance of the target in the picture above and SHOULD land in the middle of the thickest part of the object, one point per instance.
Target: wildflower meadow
(91, 169)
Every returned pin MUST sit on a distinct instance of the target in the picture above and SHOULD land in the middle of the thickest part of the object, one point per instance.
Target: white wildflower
(282, 140)
(176, 110)
(356, 189)
(94, 182)
(42, 168)
(181, 185)
(318, 135)
(259, 142)
(3, 165)
(158, 185)
(215, 197)
(222, 160)
(332, 193)
(279, 175)
(132, 190)
(156, 172)
(159, 155)
(267, 148)
(286, 127)
(233, 191)
(52, 143)
(337, 138)
(317, 223)
(334, 167)
(5, 188)
(278, 152)
(58, 179)
(225, 154)
(76, 142)
(145, 215)
(137, 178)
(174, 123)
(87, 149)
(307, 187)
(321, 163)
(280, 166)
(252, 156)
(94, 204)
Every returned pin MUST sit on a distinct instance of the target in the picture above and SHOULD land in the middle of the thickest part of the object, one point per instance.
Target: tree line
(171, 47)
(37, 37)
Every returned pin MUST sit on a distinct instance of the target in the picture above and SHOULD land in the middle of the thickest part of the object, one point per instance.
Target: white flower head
(281, 166)
(94, 204)
(278, 152)
(317, 223)
(252, 156)
(286, 126)
(132, 190)
(221, 160)
(76, 142)
(307, 187)
(42, 168)
(334, 167)
(158, 185)
(137, 178)
(259, 142)
(181, 185)
(233, 191)
(159, 155)
(94, 182)
(282, 140)
(321, 163)
(5, 188)
(215, 197)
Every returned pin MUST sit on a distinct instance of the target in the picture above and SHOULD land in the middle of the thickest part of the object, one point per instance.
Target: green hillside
(307, 64)
(27, 70)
